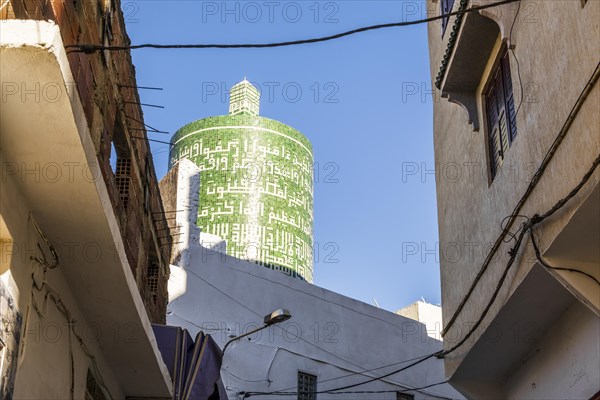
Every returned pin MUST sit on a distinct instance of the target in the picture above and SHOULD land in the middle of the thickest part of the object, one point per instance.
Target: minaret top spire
(244, 98)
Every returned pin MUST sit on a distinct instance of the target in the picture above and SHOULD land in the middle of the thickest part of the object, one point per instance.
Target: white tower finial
(244, 98)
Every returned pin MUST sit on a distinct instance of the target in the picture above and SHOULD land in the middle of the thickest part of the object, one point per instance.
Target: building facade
(331, 341)
(84, 241)
(256, 189)
(516, 118)
(426, 313)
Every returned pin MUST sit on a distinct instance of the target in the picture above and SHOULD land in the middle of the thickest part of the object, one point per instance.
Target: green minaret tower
(256, 183)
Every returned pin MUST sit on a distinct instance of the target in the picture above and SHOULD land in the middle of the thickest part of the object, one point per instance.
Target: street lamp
(277, 316)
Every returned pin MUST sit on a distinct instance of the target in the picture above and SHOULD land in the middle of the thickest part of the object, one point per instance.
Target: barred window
(123, 179)
(92, 389)
(152, 280)
(121, 163)
(404, 396)
(307, 386)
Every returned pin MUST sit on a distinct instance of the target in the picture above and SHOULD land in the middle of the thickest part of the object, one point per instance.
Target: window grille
(92, 389)
(123, 179)
(307, 386)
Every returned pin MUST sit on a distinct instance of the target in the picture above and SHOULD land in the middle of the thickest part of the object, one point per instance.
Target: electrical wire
(513, 236)
(513, 254)
(372, 379)
(326, 351)
(525, 227)
(404, 385)
(202, 328)
(51, 293)
(152, 129)
(538, 255)
(358, 373)
(250, 394)
(316, 297)
(535, 220)
(91, 48)
(152, 140)
(72, 360)
(44, 261)
(512, 50)
(419, 361)
(247, 380)
(532, 184)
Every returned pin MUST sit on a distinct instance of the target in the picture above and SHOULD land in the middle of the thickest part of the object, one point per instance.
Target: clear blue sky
(375, 206)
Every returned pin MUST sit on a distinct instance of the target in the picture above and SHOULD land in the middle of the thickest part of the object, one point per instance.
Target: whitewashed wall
(329, 335)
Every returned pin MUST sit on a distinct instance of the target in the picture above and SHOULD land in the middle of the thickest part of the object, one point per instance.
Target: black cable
(146, 125)
(512, 50)
(352, 385)
(532, 184)
(72, 361)
(398, 391)
(250, 394)
(513, 236)
(91, 48)
(359, 373)
(51, 293)
(535, 220)
(140, 87)
(152, 140)
(538, 255)
(300, 337)
(419, 360)
(44, 261)
(513, 255)
(559, 204)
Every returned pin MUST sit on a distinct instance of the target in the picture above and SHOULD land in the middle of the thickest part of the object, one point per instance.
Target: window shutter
(446, 7)
(503, 133)
(501, 107)
(501, 115)
(496, 149)
(509, 98)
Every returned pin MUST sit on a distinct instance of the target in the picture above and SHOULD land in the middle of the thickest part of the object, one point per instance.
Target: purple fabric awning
(194, 365)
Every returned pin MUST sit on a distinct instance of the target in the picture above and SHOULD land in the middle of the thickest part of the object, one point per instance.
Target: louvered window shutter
(446, 7)
(501, 115)
(493, 131)
(509, 98)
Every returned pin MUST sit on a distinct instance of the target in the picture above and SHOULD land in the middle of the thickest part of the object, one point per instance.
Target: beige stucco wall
(43, 365)
(428, 314)
(563, 360)
(49, 174)
(557, 44)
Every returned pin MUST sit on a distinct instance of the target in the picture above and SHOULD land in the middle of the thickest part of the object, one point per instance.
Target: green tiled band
(256, 187)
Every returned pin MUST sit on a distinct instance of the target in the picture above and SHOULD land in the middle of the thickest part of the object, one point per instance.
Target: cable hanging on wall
(415, 362)
(538, 256)
(44, 260)
(525, 228)
(532, 185)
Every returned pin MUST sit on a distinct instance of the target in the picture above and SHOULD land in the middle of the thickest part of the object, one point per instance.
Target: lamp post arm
(244, 335)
